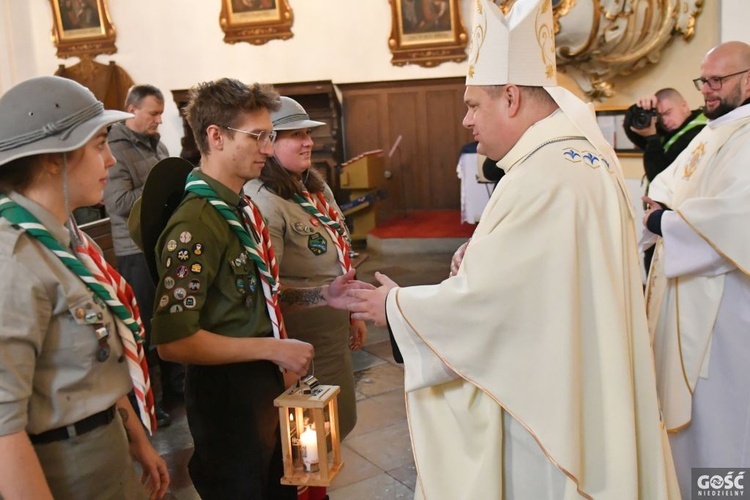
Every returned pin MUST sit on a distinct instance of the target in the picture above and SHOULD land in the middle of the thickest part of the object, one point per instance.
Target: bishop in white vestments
(529, 374)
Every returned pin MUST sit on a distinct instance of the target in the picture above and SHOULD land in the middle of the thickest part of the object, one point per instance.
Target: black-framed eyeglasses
(263, 137)
(715, 82)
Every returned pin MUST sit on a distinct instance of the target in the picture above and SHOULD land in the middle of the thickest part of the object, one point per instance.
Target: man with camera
(662, 125)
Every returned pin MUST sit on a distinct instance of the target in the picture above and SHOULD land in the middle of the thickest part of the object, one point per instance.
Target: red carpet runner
(425, 224)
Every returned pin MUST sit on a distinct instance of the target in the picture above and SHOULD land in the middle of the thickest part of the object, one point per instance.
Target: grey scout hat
(50, 114)
(292, 116)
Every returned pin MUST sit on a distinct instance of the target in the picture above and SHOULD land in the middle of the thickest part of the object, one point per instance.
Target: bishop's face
(487, 118)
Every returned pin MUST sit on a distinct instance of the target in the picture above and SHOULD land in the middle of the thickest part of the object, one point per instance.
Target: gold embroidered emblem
(478, 34)
(545, 37)
(695, 158)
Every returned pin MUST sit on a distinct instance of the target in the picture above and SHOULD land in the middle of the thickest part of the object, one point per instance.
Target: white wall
(176, 43)
(734, 16)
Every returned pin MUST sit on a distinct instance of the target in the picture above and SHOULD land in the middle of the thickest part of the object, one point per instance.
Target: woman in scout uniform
(70, 331)
(312, 247)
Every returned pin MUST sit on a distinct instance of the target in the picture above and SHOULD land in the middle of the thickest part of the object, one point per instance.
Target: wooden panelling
(427, 115)
(101, 232)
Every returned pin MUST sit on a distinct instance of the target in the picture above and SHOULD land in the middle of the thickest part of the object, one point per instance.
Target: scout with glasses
(70, 331)
(218, 299)
(264, 137)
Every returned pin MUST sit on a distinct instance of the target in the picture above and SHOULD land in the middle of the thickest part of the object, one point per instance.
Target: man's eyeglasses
(714, 82)
(263, 137)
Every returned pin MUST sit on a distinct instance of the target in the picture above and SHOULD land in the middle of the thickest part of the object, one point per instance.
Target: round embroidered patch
(190, 302)
(196, 268)
(194, 285)
(163, 301)
(185, 236)
(183, 254)
(176, 308)
(169, 282)
(198, 248)
(171, 245)
(182, 272)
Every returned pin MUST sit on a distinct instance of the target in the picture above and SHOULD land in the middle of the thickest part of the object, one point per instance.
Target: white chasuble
(529, 374)
(699, 298)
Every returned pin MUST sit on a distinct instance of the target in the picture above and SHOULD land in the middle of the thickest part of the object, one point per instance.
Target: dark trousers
(135, 271)
(235, 428)
(648, 256)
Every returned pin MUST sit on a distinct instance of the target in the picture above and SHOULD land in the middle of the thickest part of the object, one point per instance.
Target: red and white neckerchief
(116, 285)
(262, 252)
(334, 224)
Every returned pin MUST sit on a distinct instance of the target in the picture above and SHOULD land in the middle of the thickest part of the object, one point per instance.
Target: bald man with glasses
(699, 287)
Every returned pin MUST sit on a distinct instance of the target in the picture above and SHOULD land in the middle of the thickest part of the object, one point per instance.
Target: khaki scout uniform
(307, 257)
(49, 373)
(206, 281)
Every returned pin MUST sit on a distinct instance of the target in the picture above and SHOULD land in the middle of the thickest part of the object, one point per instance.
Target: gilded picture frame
(256, 21)
(426, 32)
(82, 28)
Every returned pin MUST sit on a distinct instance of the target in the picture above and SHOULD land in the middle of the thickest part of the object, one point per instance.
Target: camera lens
(641, 118)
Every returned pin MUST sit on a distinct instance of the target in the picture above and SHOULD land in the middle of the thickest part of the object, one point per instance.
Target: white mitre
(517, 49)
(520, 49)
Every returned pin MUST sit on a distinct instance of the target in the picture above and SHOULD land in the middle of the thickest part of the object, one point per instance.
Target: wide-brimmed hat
(292, 116)
(50, 114)
(162, 194)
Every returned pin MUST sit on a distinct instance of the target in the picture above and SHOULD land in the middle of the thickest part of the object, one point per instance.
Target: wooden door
(424, 118)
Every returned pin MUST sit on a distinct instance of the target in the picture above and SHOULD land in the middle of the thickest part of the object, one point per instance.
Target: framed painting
(426, 32)
(256, 21)
(82, 28)
(610, 120)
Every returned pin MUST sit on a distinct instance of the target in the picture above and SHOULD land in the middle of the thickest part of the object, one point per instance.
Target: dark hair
(20, 173)
(536, 94)
(279, 180)
(137, 93)
(221, 102)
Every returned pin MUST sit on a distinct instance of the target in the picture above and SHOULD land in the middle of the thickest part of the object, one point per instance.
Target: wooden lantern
(309, 422)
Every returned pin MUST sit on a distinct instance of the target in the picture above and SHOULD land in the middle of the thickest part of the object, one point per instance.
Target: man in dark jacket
(137, 147)
(667, 125)
(671, 127)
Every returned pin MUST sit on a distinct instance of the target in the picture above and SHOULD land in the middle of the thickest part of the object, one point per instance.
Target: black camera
(641, 118)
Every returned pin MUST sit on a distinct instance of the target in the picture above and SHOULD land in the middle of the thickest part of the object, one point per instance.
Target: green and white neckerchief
(324, 212)
(257, 245)
(108, 285)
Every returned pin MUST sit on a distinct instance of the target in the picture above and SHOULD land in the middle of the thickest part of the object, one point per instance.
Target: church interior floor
(377, 455)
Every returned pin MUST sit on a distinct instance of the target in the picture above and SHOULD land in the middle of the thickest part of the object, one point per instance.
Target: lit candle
(309, 442)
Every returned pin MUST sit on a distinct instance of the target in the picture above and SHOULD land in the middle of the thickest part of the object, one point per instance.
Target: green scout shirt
(205, 278)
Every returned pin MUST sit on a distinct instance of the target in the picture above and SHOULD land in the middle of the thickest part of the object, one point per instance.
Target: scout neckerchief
(109, 286)
(319, 208)
(257, 246)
